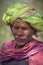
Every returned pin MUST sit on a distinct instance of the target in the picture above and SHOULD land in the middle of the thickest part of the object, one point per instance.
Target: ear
(34, 32)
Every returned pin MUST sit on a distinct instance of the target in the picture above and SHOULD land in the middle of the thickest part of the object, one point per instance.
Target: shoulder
(37, 59)
(40, 48)
(8, 44)
(39, 55)
(38, 41)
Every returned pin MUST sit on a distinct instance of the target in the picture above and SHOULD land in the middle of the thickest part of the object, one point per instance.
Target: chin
(21, 43)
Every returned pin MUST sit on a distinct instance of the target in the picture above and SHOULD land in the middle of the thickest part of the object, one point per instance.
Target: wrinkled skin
(22, 32)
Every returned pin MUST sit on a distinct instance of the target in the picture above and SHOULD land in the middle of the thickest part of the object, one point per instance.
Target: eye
(16, 27)
(24, 28)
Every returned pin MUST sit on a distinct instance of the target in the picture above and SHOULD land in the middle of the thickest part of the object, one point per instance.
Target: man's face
(22, 32)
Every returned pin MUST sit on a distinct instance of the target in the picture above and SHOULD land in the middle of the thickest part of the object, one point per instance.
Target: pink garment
(33, 50)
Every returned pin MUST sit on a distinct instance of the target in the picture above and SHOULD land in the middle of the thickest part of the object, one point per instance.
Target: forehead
(20, 22)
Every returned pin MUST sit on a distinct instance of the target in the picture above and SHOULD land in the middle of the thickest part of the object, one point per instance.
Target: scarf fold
(9, 51)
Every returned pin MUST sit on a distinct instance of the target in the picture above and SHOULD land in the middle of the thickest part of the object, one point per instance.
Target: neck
(17, 46)
(21, 46)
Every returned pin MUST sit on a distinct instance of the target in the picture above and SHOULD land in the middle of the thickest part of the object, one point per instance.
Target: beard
(22, 40)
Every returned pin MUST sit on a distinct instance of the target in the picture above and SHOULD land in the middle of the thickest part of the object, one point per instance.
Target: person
(24, 23)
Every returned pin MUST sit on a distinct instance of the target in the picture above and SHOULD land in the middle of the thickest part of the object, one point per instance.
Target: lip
(20, 40)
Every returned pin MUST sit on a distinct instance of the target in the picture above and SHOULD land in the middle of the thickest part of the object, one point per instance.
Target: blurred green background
(5, 32)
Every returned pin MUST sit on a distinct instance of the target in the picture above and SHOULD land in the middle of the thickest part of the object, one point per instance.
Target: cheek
(14, 31)
(27, 32)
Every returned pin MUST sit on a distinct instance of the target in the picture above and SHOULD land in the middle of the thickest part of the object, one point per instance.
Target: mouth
(20, 40)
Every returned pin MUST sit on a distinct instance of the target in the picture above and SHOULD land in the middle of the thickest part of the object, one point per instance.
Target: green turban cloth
(23, 11)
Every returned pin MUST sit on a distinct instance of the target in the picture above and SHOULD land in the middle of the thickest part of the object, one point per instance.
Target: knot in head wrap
(21, 10)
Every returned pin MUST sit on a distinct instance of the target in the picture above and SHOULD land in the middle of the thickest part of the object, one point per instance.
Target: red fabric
(33, 50)
(36, 59)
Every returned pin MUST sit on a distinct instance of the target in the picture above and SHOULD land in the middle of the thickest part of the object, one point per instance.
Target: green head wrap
(21, 10)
